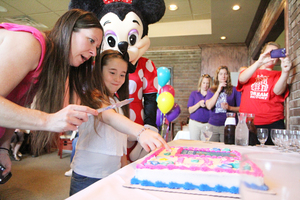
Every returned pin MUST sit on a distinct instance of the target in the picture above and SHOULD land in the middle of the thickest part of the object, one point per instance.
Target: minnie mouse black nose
(123, 46)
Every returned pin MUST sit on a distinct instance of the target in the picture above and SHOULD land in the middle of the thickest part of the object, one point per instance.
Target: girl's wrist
(140, 132)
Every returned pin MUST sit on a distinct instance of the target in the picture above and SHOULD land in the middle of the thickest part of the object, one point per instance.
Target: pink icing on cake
(236, 156)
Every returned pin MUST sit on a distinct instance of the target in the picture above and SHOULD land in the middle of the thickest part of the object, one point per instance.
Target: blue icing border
(186, 186)
(256, 187)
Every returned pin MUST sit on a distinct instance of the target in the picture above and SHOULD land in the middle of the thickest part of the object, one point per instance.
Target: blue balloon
(163, 76)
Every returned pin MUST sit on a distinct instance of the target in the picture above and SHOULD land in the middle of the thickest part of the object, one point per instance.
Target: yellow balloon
(165, 102)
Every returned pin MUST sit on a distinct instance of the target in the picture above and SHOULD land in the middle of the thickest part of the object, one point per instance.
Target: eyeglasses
(206, 75)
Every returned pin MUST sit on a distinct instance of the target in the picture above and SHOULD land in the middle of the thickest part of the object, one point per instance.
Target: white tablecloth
(112, 187)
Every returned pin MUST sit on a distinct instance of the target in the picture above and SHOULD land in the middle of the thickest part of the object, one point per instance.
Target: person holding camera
(264, 90)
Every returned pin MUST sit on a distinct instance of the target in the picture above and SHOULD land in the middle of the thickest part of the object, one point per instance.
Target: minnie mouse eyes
(133, 37)
(132, 40)
(111, 40)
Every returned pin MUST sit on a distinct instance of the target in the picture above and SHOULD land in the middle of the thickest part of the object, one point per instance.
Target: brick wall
(294, 50)
(186, 63)
(189, 62)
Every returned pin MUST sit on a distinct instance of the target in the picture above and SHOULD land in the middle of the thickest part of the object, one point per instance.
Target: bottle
(252, 129)
(229, 130)
(242, 131)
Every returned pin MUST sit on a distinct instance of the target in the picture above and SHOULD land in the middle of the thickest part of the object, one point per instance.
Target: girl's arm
(281, 84)
(148, 139)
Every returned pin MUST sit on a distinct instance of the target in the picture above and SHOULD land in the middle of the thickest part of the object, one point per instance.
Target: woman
(199, 114)
(265, 90)
(38, 64)
(222, 97)
(102, 141)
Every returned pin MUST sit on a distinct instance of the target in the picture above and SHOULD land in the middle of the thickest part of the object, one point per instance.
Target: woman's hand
(5, 161)
(202, 103)
(225, 105)
(151, 140)
(221, 85)
(285, 64)
(69, 118)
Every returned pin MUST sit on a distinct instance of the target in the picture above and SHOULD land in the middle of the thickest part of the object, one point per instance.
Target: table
(111, 187)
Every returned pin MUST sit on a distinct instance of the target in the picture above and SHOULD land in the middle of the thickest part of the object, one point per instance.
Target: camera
(4, 179)
(278, 53)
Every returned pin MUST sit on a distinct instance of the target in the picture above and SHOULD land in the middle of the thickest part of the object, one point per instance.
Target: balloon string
(163, 125)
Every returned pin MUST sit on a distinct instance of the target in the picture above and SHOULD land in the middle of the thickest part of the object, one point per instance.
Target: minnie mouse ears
(150, 11)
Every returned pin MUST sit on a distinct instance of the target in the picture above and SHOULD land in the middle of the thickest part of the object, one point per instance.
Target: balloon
(167, 88)
(159, 118)
(165, 102)
(163, 76)
(174, 113)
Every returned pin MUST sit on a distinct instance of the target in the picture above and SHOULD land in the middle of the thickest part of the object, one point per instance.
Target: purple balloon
(173, 114)
(159, 118)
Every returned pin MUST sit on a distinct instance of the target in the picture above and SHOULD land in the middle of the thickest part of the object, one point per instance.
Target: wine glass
(286, 140)
(207, 133)
(262, 136)
(297, 140)
(274, 135)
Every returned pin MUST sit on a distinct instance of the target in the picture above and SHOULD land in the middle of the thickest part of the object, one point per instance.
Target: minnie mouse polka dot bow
(111, 1)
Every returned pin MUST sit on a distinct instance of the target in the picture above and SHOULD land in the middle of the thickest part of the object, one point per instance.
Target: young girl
(103, 140)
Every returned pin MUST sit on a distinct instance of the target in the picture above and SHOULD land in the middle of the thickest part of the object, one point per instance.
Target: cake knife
(116, 105)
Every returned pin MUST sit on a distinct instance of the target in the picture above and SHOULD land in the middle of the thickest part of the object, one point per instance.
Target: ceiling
(195, 22)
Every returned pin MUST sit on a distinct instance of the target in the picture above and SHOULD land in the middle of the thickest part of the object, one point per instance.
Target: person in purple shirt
(220, 98)
(199, 114)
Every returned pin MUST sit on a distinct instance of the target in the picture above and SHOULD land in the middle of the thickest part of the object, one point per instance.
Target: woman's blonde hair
(201, 79)
(228, 88)
(270, 43)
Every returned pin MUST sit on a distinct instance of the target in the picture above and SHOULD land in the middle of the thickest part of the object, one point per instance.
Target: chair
(64, 142)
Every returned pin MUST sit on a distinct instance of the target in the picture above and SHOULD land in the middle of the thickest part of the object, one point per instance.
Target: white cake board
(193, 192)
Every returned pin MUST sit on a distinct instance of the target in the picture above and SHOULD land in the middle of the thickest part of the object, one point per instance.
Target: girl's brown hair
(96, 93)
(228, 88)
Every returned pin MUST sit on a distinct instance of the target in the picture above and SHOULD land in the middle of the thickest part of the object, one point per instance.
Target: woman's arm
(5, 141)
(247, 73)
(200, 104)
(281, 84)
(210, 103)
(19, 54)
(148, 139)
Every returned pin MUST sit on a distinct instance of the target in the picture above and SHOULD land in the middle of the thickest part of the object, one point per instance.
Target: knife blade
(116, 105)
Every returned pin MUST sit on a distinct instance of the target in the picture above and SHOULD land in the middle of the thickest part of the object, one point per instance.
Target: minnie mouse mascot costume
(125, 24)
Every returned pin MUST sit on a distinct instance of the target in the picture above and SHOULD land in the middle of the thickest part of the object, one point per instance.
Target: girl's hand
(151, 140)
(69, 118)
(285, 64)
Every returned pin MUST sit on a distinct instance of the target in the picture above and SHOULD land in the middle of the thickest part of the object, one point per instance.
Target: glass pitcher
(242, 131)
